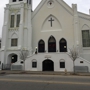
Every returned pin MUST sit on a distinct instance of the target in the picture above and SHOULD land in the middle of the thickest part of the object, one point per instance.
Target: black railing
(6, 66)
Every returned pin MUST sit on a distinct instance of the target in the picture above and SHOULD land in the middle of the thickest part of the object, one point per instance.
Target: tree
(73, 54)
(23, 56)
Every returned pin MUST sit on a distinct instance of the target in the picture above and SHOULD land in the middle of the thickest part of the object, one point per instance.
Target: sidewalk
(43, 73)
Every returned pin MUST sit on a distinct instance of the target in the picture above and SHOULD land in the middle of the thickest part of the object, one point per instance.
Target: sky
(83, 6)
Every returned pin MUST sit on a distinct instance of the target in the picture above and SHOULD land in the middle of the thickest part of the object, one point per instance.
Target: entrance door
(63, 45)
(48, 65)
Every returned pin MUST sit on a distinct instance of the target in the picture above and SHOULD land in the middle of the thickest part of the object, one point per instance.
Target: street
(43, 82)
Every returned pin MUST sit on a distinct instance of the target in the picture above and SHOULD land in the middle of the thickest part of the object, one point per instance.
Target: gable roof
(61, 2)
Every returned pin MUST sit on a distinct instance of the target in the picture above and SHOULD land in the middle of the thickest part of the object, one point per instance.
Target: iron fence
(6, 66)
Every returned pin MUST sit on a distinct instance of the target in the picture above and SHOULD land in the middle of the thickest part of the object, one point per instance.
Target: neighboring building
(51, 29)
(0, 43)
(0, 50)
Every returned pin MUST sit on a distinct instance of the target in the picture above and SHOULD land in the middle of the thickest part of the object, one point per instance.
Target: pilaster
(29, 30)
(5, 33)
(76, 26)
(20, 45)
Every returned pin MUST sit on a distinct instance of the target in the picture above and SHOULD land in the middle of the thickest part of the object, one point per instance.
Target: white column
(25, 27)
(29, 30)
(5, 34)
(20, 42)
(5, 27)
(76, 25)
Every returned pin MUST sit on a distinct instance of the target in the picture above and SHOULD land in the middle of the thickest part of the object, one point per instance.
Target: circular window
(50, 4)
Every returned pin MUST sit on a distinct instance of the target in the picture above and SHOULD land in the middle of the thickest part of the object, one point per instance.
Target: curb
(43, 73)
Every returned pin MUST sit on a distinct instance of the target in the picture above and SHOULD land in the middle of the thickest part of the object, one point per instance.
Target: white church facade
(50, 30)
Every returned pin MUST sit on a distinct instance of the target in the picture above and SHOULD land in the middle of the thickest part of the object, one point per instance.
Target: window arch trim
(41, 46)
(63, 45)
(51, 44)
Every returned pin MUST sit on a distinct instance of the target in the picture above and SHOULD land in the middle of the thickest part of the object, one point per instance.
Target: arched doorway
(12, 58)
(48, 65)
(63, 45)
(41, 46)
(51, 44)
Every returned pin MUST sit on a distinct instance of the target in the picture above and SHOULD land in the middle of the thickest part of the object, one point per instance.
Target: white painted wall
(68, 24)
(55, 57)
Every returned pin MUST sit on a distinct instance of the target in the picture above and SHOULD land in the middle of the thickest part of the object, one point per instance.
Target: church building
(47, 33)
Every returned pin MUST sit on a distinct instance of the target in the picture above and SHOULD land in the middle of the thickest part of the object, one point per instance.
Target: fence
(6, 66)
(16, 67)
(81, 69)
(11, 67)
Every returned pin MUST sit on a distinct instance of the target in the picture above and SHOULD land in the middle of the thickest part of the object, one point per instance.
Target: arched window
(51, 44)
(12, 21)
(63, 45)
(86, 38)
(41, 46)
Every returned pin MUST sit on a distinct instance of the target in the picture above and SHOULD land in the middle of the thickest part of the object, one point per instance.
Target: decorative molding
(85, 27)
(38, 8)
(86, 48)
(13, 49)
(22, 5)
(55, 28)
(7, 6)
(84, 18)
(14, 10)
(69, 9)
(65, 7)
(14, 35)
(58, 30)
(50, 4)
(87, 15)
(13, 29)
(3, 47)
(48, 56)
(25, 28)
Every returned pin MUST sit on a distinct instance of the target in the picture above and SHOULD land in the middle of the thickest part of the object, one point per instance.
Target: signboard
(47, 56)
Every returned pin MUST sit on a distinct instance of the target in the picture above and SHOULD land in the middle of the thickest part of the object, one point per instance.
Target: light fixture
(12, 57)
(64, 46)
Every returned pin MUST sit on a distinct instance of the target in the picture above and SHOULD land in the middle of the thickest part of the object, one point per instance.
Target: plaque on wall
(47, 56)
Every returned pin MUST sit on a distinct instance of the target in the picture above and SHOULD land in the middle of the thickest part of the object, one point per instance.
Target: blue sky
(83, 6)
